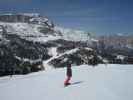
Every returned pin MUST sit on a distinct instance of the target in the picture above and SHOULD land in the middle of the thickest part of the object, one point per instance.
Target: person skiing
(68, 74)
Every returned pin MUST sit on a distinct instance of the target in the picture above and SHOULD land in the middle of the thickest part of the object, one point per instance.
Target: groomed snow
(104, 82)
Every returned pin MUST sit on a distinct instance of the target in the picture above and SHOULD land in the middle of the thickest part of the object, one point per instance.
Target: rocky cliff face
(14, 18)
(23, 17)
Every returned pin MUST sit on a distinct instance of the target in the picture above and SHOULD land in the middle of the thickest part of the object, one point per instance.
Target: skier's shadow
(78, 82)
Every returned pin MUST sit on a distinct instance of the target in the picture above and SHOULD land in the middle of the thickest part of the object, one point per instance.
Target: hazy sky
(97, 16)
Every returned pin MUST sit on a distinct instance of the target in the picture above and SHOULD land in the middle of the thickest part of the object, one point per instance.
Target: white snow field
(103, 82)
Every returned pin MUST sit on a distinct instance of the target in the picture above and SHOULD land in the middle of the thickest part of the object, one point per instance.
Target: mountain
(31, 42)
(40, 27)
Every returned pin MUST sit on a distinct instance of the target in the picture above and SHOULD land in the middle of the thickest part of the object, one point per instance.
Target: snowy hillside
(31, 42)
(35, 25)
(31, 32)
(104, 82)
(71, 34)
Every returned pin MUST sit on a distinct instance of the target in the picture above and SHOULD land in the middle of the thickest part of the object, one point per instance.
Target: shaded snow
(104, 82)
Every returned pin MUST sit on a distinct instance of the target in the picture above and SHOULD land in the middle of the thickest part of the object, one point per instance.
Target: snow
(49, 67)
(120, 57)
(90, 49)
(28, 31)
(104, 82)
(44, 39)
(31, 14)
(40, 20)
(73, 34)
(71, 51)
(26, 59)
(31, 31)
(54, 54)
(22, 29)
(53, 51)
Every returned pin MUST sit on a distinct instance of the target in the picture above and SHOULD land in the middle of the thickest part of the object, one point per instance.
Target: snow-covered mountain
(29, 26)
(32, 42)
(39, 26)
(105, 82)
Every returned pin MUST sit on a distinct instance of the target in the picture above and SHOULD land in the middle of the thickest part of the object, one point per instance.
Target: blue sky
(96, 16)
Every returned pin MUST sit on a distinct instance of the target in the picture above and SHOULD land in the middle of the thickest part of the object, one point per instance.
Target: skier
(68, 74)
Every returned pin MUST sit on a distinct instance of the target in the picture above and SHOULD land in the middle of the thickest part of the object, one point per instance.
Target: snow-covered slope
(40, 27)
(72, 34)
(29, 31)
(29, 26)
(32, 30)
(53, 50)
(22, 29)
(104, 82)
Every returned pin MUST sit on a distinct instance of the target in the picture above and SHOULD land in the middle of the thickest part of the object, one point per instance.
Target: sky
(95, 16)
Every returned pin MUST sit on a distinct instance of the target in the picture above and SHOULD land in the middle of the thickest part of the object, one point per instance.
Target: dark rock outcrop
(14, 18)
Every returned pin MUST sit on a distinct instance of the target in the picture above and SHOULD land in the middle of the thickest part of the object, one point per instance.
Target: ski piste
(104, 82)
